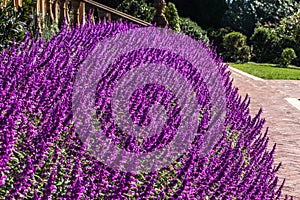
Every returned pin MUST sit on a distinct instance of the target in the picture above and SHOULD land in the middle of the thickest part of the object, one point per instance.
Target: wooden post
(38, 13)
(66, 11)
(82, 12)
(44, 11)
(56, 13)
(108, 16)
(17, 3)
(51, 5)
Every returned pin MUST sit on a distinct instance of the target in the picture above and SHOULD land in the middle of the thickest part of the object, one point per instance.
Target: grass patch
(269, 71)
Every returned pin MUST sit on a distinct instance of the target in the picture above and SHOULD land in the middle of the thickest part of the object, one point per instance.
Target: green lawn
(269, 71)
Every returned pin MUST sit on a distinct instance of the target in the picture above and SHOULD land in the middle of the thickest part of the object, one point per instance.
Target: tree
(192, 29)
(237, 48)
(242, 15)
(137, 8)
(172, 16)
(289, 32)
(266, 45)
(216, 35)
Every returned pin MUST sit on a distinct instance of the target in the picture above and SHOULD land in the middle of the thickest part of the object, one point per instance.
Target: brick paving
(283, 121)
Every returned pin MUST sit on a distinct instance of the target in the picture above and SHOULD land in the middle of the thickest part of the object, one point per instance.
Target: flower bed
(43, 157)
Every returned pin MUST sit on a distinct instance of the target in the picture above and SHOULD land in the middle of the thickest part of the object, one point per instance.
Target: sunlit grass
(269, 71)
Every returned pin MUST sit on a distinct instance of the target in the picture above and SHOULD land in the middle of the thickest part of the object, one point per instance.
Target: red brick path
(283, 121)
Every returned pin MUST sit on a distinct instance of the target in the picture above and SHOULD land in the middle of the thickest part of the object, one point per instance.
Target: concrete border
(294, 102)
(245, 74)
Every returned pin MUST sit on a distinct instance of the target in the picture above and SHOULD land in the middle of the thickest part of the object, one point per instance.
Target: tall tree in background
(137, 8)
(207, 13)
(242, 15)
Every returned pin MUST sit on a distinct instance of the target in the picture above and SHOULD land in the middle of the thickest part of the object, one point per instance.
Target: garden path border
(282, 118)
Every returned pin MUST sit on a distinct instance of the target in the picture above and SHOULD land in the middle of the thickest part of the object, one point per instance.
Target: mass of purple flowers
(43, 158)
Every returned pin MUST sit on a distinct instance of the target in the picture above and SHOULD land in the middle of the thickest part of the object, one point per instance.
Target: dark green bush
(242, 15)
(288, 55)
(49, 30)
(261, 44)
(236, 47)
(289, 31)
(191, 28)
(234, 40)
(244, 54)
(269, 40)
(266, 45)
(137, 8)
(216, 36)
(14, 24)
(172, 16)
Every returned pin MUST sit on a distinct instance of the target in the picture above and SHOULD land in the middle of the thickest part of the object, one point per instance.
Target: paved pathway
(283, 121)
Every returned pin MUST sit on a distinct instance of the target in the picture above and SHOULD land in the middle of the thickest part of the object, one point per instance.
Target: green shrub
(14, 24)
(243, 15)
(216, 36)
(266, 45)
(289, 31)
(236, 47)
(191, 28)
(288, 55)
(172, 16)
(49, 30)
(261, 42)
(137, 8)
(244, 54)
(269, 40)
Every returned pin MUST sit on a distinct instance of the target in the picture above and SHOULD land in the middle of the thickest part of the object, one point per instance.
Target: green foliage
(244, 53)
(289, 32)
(243, 15)
(138, 8)
(191, 28)
(288, 54)
(274, 10)
(236, 47)
(14, 24)
(269, 40)
(290, 26)
(172, 16)
(207, 13)
(49, 30)
(216, 36)
(240, 16)
(234, 40)
(266, 45)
